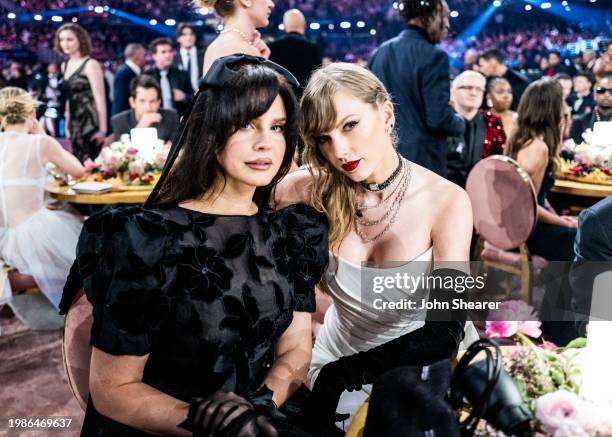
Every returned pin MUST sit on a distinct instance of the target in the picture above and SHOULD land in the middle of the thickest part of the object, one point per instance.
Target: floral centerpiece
(124, 163)
(549, 377)
(590, 161)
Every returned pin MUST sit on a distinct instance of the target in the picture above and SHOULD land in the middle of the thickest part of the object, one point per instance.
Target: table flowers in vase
(123, 162)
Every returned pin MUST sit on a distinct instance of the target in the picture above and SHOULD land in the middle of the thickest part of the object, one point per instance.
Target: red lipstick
(351, 165)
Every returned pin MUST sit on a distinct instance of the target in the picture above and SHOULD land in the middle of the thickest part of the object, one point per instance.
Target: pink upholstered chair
(504, 204)
(76, 350)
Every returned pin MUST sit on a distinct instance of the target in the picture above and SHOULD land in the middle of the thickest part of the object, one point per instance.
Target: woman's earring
(390, 128)
(489, 103)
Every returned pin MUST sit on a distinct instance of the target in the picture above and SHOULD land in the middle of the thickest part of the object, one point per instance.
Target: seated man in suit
(484, 134)
(176, 88)
(601, 112)
(145, 101)
(581, 100)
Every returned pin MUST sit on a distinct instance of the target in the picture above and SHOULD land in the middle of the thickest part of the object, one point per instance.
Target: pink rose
(500, 329)
(553, 409)
(569, 428)
(131, 151)
(548, 345)
(512, 316)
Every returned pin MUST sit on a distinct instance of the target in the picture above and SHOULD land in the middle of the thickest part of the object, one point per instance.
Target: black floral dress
(205, 295)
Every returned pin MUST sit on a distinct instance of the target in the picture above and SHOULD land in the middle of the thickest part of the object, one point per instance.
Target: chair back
(76, 350)
(504, 201)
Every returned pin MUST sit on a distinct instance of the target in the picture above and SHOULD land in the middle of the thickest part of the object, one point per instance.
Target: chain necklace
(597, 115)
(395, 207)
(238, 31)
(385, 184)
(361, 207)
(365, 222)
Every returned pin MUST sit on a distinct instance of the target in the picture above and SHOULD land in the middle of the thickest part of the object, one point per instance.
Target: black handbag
(490, 390)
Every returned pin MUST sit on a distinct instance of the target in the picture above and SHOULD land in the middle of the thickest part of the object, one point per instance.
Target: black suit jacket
(178, 63)
(121, 89)
(297, 54)
(587, 103)
(416, 73)
(518, 82)
(125, 121)
(178, 80)
(580, 123)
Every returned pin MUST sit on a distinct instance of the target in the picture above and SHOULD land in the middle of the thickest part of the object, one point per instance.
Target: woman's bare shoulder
(296, 187)
(437, 192)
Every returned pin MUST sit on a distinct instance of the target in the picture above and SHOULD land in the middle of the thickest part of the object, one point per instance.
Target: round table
(136, 195)
(574, 188)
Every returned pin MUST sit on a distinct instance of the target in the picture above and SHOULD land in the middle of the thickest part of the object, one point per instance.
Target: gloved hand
(226, 414)
(435, 341)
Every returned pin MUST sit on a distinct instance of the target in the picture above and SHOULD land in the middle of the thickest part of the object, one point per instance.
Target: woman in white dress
(381, 209)
(33, 239)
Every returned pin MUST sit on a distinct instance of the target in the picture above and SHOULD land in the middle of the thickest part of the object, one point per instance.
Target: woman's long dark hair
(217, 114)
(540, 112)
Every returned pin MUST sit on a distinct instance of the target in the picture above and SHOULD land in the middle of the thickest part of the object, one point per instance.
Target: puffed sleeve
(124, 261)
(307, 247)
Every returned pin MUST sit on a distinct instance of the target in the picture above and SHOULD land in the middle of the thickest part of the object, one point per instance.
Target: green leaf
(577, 343)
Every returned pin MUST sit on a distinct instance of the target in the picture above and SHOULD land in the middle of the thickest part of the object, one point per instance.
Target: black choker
(385, 184)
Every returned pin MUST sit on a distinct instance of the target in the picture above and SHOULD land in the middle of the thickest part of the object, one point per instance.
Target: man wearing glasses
(601, 112)
(484, 134)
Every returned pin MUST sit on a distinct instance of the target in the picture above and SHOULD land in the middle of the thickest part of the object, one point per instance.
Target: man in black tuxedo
(189, 59)
(601, 112)
(145, 101)
(176, 88)
(293, 50)
(581, 100)
(134, 62)
(416, 73)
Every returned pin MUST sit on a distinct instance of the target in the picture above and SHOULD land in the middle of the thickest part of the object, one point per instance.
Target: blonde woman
(83, 87)
(381, 208)
(33, 239)
(241, 18)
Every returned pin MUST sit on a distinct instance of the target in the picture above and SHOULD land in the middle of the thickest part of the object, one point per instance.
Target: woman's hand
(569, 221)
(227, 414)
(99, 137)
(260, 45)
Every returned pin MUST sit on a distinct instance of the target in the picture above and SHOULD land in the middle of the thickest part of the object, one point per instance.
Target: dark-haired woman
(201, 302)
(83, 87)
(535, 145)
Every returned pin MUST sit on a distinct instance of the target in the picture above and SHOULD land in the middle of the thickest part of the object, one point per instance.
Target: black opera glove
(226, 414)
(435, 341)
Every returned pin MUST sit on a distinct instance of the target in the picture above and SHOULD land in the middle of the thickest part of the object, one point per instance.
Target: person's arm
(293, 354)
(296, 187)
(93, 71)
(451, 232)
(52, 151)
(117, 392)
(436, 96)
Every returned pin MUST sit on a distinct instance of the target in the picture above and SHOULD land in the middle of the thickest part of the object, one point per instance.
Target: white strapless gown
(352, 324)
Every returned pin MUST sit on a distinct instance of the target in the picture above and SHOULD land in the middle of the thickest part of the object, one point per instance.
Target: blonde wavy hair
(223, 8)
(16, 105)
(332, 192)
